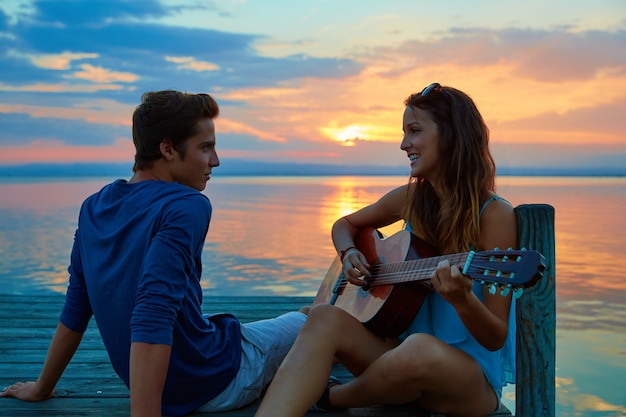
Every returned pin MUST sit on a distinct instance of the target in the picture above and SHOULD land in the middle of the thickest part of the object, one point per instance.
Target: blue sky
(314, 81)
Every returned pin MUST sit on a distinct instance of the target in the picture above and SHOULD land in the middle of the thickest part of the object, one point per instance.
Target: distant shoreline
(270, 169)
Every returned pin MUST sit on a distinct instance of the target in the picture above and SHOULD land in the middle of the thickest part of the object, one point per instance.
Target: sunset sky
(314, 81)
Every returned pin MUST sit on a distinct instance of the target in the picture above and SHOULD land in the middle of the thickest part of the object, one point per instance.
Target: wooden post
(536, 318)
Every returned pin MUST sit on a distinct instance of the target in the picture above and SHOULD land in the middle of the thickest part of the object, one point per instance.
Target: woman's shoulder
(494, 204)
(497, 223)
(396, 194)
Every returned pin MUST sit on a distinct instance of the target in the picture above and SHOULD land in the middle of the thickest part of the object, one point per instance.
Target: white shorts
(264, 345)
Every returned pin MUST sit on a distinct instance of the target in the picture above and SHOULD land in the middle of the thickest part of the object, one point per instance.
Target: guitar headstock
(507, 269)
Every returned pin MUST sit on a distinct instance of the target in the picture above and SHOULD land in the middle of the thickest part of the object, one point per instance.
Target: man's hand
(26, 391)
(64, 344)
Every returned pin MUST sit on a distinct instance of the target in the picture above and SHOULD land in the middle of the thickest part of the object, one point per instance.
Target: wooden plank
(536, 318)
(119, 407)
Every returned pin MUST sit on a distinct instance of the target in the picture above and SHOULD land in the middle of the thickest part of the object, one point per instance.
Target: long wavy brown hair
(468, 173)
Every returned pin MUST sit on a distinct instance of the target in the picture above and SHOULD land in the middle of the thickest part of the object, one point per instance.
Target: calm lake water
(271, 235)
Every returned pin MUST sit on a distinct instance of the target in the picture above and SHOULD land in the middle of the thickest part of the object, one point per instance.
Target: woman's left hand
(450, 283)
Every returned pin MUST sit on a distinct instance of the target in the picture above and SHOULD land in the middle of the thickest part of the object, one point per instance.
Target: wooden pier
(90, 387)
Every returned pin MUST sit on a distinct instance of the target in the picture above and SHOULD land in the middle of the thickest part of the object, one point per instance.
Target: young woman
(457, 353)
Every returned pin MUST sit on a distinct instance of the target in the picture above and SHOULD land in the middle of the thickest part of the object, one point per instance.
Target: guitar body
(385, 309)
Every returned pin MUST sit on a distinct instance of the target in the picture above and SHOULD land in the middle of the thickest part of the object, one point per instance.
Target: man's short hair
(167, 115)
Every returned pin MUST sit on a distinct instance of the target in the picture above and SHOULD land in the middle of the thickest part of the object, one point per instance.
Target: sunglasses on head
(431, 87)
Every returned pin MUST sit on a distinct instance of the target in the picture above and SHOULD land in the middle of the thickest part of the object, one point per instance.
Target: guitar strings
(384, 274)
(405, 271)
(397, 277)
(384, 277)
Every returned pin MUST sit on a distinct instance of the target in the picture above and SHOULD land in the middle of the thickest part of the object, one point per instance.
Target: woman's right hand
(355, 267)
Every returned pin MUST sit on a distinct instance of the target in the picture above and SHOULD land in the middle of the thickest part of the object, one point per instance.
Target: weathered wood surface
(89, 386)
(536, 318)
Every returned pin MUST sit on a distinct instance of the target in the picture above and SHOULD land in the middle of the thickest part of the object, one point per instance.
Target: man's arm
(61, 350)
(148, 369)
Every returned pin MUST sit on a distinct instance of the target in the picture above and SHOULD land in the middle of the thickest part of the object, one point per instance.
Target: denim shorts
(264, 345)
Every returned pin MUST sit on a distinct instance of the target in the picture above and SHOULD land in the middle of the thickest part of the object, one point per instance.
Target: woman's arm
(488, 321)
(385, 211)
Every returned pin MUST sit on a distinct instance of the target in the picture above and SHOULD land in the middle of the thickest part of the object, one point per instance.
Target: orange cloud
(557, 137)
(50, 151)
(60, 61)
(277, 155)
(102, 75)
(93, 111)
(61, 88)
(232, 126)
(192, 64)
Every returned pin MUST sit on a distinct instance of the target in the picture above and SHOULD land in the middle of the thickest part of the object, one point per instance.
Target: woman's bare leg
(302, 377)
(442, 378)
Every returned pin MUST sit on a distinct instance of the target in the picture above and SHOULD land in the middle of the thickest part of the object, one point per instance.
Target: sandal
(323, 404)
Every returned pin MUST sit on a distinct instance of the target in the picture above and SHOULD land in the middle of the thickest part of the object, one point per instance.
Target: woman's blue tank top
(438, 318)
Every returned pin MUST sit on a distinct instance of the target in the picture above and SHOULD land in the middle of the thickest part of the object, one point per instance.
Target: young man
(136, 267)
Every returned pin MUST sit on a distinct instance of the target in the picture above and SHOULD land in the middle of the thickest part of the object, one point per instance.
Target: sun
(347, 135)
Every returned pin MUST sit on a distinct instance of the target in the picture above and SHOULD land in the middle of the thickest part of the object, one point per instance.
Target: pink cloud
(48, 151)
(93, 111)
(103, 75)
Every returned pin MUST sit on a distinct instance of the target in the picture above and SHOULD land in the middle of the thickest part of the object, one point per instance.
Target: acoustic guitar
(401, 266)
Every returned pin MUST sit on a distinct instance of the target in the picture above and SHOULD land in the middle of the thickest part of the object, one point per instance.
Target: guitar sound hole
(364, 291)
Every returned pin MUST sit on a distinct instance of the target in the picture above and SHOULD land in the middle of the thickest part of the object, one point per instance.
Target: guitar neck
(413, 270)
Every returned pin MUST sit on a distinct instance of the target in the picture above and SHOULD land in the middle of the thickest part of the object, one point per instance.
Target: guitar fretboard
(413, 270)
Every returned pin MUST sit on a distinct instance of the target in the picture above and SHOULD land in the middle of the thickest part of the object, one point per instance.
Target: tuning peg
(517, 292)
(492, 289)
(505, 290)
